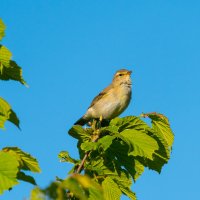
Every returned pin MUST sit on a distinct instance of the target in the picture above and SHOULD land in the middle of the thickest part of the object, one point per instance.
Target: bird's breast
(124, 97)
(112, 104)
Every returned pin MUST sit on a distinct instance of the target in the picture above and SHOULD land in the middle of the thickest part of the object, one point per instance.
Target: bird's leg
(101, 118)
(94, 124)
(97, 126)
(98, 122)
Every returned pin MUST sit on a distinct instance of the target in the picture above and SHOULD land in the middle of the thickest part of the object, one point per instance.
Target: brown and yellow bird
(112, 101)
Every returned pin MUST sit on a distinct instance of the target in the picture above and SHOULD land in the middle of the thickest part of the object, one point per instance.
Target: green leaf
(162, 133)
(27, 162)
(110, 129)
(79, 132)
(160, 156)
(8, 171)
(124, 182)
(140, 143)
(160, 123)
(133, 166)
(155, 164)
(95, 194)
(110, 189)
(2, 29)
(103, 163)
(88, 146)
(6, 113)
(12, 72)
(55, 191)
(95, 164)
(22, 176)
(122, 178)
(37, 194)
(75, 188)
(128, 192)
(5, 56)
(116, 121)
(105, 142)
(82, 187)
(65, 157)
(139, 169)
(129, 122)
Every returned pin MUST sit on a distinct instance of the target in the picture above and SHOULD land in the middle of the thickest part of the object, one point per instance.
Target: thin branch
(86, 156)
(82, 163)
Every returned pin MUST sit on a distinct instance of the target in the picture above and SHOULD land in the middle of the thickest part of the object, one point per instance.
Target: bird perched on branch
(112, 101)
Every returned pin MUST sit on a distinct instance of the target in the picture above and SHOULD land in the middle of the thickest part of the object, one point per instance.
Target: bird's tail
(82, 121)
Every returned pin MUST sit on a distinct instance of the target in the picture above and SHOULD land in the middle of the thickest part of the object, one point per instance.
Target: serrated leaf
(160, 156)
(6, 113)
(130, 122)
(124, 182)
(122, 178)
(79, 132)
(140, 143)
(139, 169)
(110, 189)
(160, 123)
(22, 176)
(128, 192)
(156, 164)
(133, 166)
(2, 29)
(162, 133)
(8, 171)
(12, 72)
(27, 162)
(5, 56)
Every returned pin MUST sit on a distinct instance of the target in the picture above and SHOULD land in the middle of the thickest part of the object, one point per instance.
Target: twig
(86, 155)
(82, 163)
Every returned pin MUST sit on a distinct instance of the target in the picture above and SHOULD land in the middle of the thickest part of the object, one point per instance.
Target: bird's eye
(120, 74)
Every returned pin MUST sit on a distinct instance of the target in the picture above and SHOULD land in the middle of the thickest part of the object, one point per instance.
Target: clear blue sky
(69, 51)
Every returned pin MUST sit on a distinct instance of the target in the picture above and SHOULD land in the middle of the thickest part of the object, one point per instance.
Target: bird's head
(122, 76)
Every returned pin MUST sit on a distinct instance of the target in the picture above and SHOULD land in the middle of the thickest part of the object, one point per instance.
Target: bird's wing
(101, 95)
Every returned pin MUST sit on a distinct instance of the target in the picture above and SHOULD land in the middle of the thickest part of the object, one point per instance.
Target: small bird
(112, 101)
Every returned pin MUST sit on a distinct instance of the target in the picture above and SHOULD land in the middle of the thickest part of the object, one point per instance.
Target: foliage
(75, 187)
(9, 69)
(7, 114)
(13, 161)
(114, 156)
